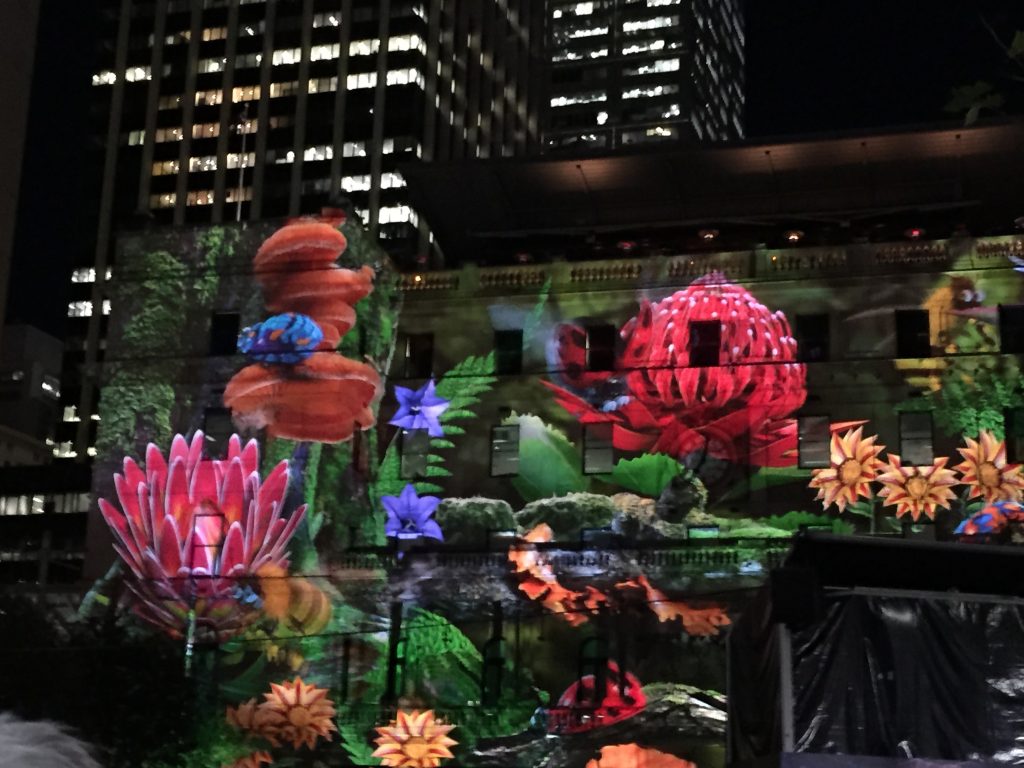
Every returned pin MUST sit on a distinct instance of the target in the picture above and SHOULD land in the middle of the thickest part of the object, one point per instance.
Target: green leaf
(533, 319)
(548, 463)
(647, 475)
(791, 521)
(862, 508)
(440, 442)
(1016, 48)
(766, 477)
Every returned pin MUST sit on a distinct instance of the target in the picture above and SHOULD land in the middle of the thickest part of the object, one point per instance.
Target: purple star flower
(420, 409)
(409, 515)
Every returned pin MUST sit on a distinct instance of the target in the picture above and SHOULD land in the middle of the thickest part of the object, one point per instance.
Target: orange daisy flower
(853, 465)
(414, 740)
(917, 490)
(296, 712)
(985, 470)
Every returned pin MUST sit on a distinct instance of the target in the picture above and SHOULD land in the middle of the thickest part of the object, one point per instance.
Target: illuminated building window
(106, 77)
(168, 134)
(84, 275)
(50, 386)
(215, 33)
(360, 183)
(653, 67)
(508, 351)
(71, 413)
(205, 163)
(247, 126)
(598, 451)
(207, 66)
(323, 84)
(415, 447)
(397, 214)
(407, 43)
(106, 306)
(236, 195)
(813, 441)
(200, 197)
(319, 152)
(586, 97)
(167, 200)
(505, 450)
(237, 159)
(165, 168)
(363, 47)
(916, 439)
(705, 343)
(912, 333)
(169, 102)
(209, 97)
(418, 355)
(354, 149)
(600, 347)
(361, 80)
(658, 22)
(135, 138)
(248, 60)
(80, 309)
(324, 52)
(812, 338)
(286, 156)
(281, 121)
(205, 130)
(245, 93)
(643, 47)
(284, 89)
(138, 74)
(251, 30)
(286, 56)
(1011, 328)
(410, 76)
(326, 20)
(649, 91)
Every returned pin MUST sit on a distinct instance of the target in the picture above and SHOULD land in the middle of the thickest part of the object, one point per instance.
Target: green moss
(568, 515)
(470, 521)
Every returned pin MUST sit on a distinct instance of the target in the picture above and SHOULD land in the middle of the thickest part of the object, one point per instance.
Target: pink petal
(233, 553)
(169, 547)
(156, 466)
(179, 450)
(177, 504)
(232, 491)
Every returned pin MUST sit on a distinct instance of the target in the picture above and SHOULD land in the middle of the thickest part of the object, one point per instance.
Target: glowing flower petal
(414, 740)
(190, 528)
(985, 470)
(294, 712)
(853, 465)
(917, 490)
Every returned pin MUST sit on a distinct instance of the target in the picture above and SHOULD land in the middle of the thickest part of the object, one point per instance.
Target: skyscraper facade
(629, 72)
(217, 110)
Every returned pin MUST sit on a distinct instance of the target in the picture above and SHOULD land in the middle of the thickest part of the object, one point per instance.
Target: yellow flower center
(300, 717)
(989, 475)
(917, 487)
(416, 747)
(850, 471)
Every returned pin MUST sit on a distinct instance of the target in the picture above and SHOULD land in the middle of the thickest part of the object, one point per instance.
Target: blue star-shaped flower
(420, 409)
(409, 515)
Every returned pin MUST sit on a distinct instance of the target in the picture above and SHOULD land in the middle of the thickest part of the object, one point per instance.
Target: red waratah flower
(669, 406)
(190, 529)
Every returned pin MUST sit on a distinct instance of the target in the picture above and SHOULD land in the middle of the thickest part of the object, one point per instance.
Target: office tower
(628, 72)
(218, 110)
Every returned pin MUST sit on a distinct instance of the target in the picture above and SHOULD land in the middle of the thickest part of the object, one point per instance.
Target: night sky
(830, 65)
(813, 66)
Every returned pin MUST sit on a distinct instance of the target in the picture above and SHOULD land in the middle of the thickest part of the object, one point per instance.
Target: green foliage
(548, 463)
(568, 515)
(766, 477)
(647, 475)
(791, 521)
(532, 323)
(976, 389)
(970, 100)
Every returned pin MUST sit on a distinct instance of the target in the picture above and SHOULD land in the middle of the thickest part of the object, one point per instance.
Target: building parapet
(759, 264)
